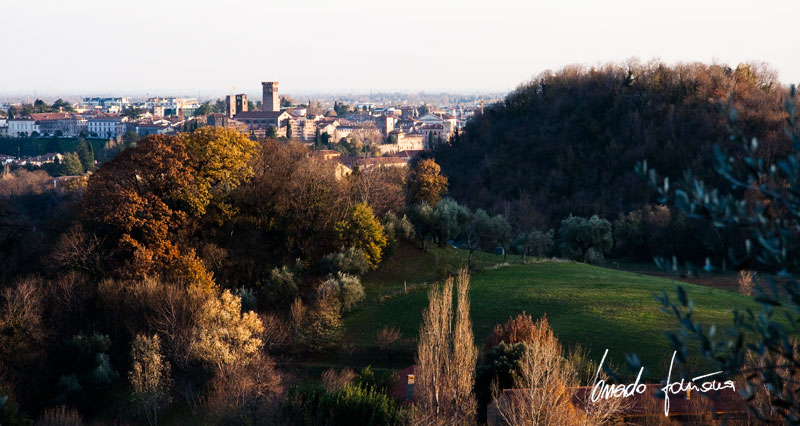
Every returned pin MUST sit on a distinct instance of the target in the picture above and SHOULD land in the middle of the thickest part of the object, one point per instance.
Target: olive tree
(761, 199)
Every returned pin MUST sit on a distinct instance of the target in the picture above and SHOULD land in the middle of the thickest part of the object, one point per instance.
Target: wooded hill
(569, 140)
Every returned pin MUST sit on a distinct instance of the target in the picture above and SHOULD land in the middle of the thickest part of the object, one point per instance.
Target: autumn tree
(360, 229)
(224, 336)
(221, 159)
(544, 382)
(380, 187)
(446, 357)
(290, 206)
(149, 376)
(426, 183)
(140, 199)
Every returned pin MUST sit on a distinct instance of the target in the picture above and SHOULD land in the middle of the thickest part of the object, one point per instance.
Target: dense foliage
(568, 140)
(761, 200)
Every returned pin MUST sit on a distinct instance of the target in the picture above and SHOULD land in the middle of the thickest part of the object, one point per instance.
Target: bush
(350, 261)
(313, 405)
(334, 380)
(395, 229)
(347, 288)
(60, 416)
(319, 327)
(517, 329)
(368, 378)
(538, 243)
(585, 240)
(280, 288)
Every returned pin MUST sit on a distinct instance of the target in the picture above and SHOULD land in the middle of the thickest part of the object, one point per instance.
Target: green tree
(72, 165)
(86, 155)
(204, 109)
(133, 113)
(40, 106)
(586, 240)
(219, 106)
(62, 105)
(450, 220)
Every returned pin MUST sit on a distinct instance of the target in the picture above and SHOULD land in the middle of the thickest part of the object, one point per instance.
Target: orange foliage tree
(426, 183)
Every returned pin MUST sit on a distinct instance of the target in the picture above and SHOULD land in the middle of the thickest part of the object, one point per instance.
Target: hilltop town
(362, 134)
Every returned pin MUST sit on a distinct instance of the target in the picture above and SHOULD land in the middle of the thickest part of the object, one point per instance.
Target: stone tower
(241, 103)
(271, 100)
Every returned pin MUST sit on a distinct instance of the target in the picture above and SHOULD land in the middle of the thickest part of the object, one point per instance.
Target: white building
(21, 127)
(105, 127)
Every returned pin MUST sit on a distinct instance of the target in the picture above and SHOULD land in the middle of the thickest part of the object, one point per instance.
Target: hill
(569, 140)
(598, 307)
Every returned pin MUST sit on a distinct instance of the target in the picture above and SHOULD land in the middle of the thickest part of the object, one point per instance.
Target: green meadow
(596, 307)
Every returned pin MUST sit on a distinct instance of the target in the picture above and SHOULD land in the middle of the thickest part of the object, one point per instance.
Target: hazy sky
(211, 47)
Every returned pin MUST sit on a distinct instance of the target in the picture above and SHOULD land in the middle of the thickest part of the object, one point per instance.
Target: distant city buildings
(394, 132)
(235, 105)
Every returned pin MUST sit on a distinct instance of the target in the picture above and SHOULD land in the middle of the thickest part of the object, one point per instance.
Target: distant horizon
(255, 95)
(182, 47)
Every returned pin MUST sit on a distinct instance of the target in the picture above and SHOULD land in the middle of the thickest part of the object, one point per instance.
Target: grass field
(597, 307)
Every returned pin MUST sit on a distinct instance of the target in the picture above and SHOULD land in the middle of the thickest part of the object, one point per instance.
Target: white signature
(603, 390)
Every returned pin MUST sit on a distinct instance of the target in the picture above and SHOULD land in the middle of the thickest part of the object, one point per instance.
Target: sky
(212, 48)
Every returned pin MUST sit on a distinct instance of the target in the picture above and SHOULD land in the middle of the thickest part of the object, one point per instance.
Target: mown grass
(596, 307)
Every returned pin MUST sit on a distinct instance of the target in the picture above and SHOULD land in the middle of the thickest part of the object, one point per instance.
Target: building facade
(105, 127)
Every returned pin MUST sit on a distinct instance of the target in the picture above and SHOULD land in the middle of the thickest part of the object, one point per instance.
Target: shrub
(350, 261)
(747, 282)
(60, 416)
(280, 288)
(347, 288)
(397, 228)
(334, 380)
(368, 378)
(312, 405)
(319, 327)
(249, 300)
(246, 393)
(517, 329)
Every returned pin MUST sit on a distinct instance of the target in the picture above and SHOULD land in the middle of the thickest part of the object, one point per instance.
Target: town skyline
(357, 47)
